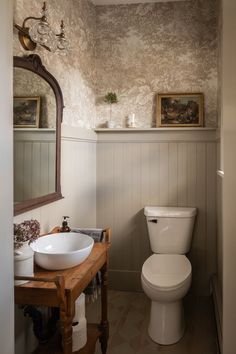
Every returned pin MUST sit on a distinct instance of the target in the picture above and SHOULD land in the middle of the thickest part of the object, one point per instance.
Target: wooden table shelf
(54, 347)
(61, 289)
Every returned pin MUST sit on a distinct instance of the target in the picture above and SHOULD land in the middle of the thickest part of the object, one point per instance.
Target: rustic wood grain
(61, 289)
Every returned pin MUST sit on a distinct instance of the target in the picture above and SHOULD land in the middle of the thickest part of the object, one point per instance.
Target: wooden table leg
(66, 325)
(66, 331)
(104, 302)
(67, 312)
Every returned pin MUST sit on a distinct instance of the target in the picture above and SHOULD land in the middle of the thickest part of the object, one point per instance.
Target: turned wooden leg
(66, 326)
(66, 332)
(67, 311)
(104, 302)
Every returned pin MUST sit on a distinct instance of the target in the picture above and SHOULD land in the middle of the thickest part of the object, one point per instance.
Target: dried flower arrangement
(28, 230)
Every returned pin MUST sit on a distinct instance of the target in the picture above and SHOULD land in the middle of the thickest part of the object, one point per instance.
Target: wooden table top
(76, 278)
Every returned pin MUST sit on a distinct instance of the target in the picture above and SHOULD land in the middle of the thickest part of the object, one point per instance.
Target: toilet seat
(166, 271)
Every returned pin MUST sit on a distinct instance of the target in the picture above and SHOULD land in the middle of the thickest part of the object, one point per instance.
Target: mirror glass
(37, 115)
(34, 136)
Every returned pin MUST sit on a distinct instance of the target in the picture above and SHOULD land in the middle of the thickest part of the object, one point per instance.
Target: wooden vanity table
(61, 289)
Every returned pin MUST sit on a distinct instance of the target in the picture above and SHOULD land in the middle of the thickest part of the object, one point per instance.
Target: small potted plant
(110, 98)
(24, 233)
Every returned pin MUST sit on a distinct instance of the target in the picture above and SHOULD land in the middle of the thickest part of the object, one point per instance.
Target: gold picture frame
(26, 112)
(180, 110)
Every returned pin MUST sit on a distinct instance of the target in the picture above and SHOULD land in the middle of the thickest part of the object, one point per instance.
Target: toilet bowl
(166, 279)
(166, 275)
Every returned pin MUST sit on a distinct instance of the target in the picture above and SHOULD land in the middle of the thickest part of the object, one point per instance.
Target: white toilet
(166, 275)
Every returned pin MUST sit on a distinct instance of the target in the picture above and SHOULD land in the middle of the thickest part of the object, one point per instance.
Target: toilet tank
(170, 228)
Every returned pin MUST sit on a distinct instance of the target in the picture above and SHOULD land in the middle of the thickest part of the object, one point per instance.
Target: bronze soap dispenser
(65, 227)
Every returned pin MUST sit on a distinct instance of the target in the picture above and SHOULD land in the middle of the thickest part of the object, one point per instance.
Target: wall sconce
(41, 33)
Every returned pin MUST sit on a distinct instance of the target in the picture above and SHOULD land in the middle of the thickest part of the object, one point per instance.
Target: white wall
(229, 189)
(165, 168)
(6, 185)
(78, 181)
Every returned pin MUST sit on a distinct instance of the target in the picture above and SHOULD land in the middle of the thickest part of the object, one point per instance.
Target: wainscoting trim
(35, 136)
(206, 135)
(78, 134)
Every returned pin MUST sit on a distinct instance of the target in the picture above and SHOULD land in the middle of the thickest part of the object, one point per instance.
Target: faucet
(65, 227)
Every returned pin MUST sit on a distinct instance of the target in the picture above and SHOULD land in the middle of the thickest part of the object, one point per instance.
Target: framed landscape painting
(26, 112)
(180, 110)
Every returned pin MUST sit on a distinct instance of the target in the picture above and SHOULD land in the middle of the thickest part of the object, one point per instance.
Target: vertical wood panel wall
(175, 168)
(79, 177)
(34, 163)
(78, 183)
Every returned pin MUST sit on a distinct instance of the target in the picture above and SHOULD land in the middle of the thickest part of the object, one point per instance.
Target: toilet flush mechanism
(155, 221)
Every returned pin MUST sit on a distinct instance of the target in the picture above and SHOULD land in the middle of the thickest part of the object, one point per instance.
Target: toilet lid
(166, 270)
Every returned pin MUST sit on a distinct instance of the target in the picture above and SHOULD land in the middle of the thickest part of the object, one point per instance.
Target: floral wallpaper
(134, 50)
(145, 49)
(75, 71)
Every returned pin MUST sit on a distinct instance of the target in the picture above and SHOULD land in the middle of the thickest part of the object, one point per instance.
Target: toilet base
(167, 323)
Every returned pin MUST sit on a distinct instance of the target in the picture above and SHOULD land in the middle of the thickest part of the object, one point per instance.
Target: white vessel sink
(61, 250)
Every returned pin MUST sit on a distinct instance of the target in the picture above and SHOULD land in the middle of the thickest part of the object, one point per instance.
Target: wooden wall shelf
(61, 289)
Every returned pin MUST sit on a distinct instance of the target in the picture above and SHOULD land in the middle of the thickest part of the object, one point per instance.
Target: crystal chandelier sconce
(40, 32)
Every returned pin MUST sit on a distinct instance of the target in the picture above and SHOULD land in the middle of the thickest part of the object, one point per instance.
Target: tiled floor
(128, 317)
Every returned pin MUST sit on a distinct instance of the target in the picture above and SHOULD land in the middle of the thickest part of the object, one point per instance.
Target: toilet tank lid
(170, 212)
